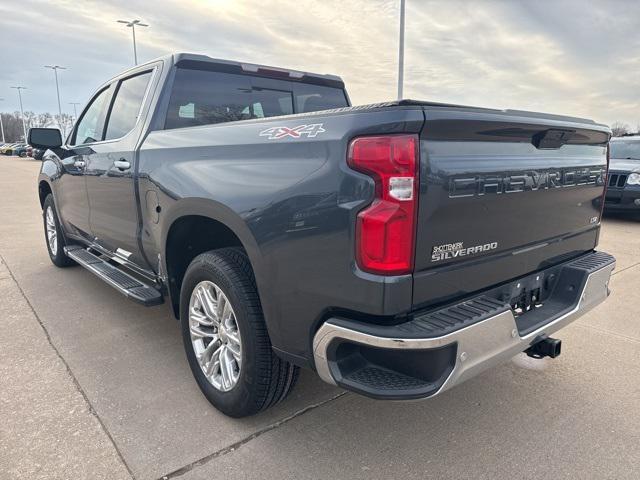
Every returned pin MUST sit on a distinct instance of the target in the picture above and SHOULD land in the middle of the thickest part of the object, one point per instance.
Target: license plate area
(540, 298)
(529, 293)
(535, 300)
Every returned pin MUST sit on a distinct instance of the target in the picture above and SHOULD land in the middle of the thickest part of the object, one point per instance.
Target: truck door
(110, 172)
(71, 195)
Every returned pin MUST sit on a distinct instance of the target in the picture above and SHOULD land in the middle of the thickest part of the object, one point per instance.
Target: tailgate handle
(552, 138)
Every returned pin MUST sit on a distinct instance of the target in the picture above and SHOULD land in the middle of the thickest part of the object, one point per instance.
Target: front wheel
(53, 234)
(225, 336)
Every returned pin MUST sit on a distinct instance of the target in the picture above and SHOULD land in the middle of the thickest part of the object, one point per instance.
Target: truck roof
(199, 61)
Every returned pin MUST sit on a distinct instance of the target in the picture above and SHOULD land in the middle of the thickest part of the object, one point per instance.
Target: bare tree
(64, 123)
(42, 120)
(29, 117)
(12, 123)
(619, 128)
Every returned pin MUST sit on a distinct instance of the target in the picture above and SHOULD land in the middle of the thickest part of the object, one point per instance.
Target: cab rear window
(201, 97)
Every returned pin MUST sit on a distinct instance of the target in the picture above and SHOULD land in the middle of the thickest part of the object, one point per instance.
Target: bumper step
(121, 281)
(440, 322)
(385, 379)
(438, 349)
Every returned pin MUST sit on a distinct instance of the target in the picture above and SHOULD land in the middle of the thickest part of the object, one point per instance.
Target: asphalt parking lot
(95, 386)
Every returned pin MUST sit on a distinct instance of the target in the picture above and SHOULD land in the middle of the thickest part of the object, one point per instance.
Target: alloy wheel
(215, 335)
(52, 233)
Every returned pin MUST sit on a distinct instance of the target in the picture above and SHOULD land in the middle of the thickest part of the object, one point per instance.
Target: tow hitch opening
(547, 347)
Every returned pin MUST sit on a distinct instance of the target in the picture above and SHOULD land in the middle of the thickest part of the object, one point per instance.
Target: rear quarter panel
(292, 201)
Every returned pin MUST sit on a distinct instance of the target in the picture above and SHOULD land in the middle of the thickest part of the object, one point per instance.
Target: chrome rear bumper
(477, 347)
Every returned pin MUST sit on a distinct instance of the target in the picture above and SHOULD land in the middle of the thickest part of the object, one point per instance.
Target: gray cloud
(570, 56)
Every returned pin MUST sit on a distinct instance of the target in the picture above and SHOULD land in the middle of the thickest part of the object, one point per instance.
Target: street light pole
(75, 112)
(24, 125)
(1, 125)
(133, 24)
(401, 52)
(55, 69)
(135, 52)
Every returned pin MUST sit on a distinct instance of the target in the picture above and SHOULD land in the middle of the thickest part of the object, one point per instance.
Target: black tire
(59, 258)
(264, 378)
(23, 154)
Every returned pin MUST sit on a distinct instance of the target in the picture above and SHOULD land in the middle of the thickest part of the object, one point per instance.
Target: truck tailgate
(503, 194)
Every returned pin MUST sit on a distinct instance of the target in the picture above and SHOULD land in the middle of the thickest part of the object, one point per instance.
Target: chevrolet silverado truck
(623, 187)
(397, 249)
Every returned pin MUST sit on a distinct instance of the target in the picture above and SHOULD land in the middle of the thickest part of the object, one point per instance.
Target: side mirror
(44, 138)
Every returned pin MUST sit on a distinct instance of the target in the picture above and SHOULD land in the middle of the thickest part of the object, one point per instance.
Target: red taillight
(386, 229)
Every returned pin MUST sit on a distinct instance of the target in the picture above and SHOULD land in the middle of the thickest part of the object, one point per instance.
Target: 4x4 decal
(310, 131)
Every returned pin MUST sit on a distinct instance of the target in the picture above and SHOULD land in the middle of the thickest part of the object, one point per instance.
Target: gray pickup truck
(397, 249)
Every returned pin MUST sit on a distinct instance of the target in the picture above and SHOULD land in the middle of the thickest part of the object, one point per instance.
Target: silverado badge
(454, 250)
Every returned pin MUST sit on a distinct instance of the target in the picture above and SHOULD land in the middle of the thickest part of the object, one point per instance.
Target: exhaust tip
(547, 347)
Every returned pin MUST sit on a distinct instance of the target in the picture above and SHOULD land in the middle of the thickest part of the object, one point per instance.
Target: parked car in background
(20, 150)
(10, 150)
(7, 148)
(623, 186)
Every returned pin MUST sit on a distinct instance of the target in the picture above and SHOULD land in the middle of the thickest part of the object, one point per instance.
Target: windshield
(629, 149)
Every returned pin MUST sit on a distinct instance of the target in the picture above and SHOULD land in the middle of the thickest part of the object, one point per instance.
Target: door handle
(79, 164)
(122, 164)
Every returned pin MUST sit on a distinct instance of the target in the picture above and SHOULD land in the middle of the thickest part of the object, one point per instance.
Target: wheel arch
(217, 226)
(44, 189)
(49, 173)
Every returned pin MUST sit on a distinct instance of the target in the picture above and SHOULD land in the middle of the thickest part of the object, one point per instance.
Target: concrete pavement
(94, 386)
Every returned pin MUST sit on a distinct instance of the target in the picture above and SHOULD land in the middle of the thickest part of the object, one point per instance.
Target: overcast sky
(574, 57)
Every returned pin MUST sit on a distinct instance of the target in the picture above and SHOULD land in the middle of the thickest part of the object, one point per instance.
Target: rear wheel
(53, 234)
(225, 336)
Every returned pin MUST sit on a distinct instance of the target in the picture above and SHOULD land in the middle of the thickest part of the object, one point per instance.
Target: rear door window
(127, 105)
